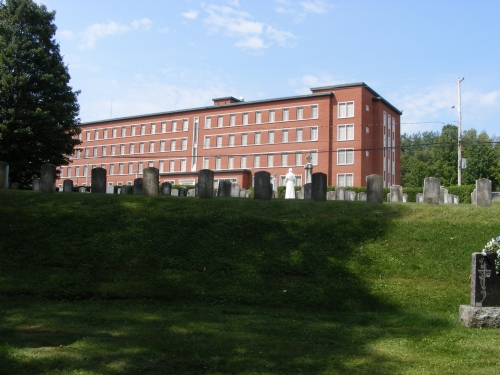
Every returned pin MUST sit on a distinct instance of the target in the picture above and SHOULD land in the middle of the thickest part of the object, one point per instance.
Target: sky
(138, 57)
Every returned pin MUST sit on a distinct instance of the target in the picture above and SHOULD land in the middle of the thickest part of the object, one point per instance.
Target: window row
(173, 145)
(259, 117)
(245, 140)
(258, 161)
(133, 130)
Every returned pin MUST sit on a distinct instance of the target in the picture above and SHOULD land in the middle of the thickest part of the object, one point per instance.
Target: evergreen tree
(38, 109)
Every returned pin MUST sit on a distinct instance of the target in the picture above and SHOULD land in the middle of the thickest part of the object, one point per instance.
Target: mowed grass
(128, 285)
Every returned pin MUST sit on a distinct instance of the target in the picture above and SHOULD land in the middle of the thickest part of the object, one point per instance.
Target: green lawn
(128, 285)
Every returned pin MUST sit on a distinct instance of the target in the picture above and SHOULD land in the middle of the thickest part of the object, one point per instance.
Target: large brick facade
(349, 130)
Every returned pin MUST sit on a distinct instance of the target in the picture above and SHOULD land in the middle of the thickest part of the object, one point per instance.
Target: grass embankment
(129, 284)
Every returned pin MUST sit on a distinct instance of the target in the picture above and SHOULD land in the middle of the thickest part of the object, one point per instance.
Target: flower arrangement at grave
(494, 247)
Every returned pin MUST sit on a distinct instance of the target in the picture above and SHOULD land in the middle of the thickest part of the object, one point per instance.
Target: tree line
(435, 154)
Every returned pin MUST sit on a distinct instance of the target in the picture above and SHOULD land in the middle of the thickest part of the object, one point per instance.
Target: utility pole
(459, 80)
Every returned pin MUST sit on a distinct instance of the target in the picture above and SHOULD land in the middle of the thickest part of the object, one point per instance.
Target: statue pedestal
(308, 172)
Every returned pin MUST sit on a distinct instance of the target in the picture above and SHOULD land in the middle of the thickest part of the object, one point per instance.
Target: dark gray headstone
(48, 178)
(374, 188)
(318, 192)
(183, 191)
(4, 175)
(432, 188)
(35, 186)
(206, 184)
(166, 188)
(485, 283)
(339, 193)
(262, 186)
(138, 186)
(98, 181)
(307, 190)
(483, 192)
(224, 189)
(67, 186)
(150, 178)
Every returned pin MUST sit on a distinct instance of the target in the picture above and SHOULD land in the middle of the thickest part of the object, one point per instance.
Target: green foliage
(282, 191)
(463, 192)
(38, 109)
(412, 193)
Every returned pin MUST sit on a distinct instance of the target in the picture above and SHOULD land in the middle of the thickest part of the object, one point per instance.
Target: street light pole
(459, 80)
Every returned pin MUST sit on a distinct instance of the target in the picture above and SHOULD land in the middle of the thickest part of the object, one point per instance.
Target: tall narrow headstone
(206, 184)
(98, 181)
(48, 178)
(432, 187)
(150, 178)
(35, 185)
(308, 168)
(4, 175)
(339, 193)
(166, 188)
(138, 186)
(318, 193)
(224, 189)
(67, 186)
(442, 194)
(262, 185)
(483, 192)
(374, 188)
(307, 190)
(473, 196)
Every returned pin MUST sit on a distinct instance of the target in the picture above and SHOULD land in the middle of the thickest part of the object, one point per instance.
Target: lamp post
(459, 80)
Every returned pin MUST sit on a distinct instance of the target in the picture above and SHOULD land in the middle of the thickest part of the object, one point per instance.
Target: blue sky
(139, 57)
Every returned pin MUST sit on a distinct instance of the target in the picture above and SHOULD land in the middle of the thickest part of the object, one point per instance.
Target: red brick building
(349, 130)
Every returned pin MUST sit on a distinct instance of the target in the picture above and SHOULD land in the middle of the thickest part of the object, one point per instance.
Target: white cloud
(281, 37)
(191, 14)
(316, 6)
(100, 30)
(253, 43)
(304, 84)
(66, 34)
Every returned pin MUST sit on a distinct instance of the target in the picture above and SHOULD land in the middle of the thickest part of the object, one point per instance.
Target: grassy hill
(238, 286)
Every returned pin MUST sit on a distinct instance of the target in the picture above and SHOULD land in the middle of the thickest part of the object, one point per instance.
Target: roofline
(221, 171)
(205, 108)
(228, 97)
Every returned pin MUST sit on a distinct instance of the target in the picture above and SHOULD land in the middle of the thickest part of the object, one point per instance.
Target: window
(69, 171)
(124, 131)
(270, 160)
(114, 132)
(111, 169)
(285, 114)
(153, 128)
(95, 151)
(230, 162)
(141, 168)
(163, 127)
(77, 171)
(141, 148)
(206, 144)
(299, 135)
(314, 111)
(284, 136)
(80, 136)
(143, 129)
(284, 160)
(345, 132)
(96, 135)
(270, 137)
(346, 109)
(132, 146)
(257, 138)
(245, 118)
(150, 164)
(243, 162)
(256, 161)
(162, 146)
(314, 155)
(345, 179)
(232, 120)
(367, 129)
(172, 165)
(161, 165)
(298, 158)
(151, 147)
(86, 152)
(219, 141)
(130, 168)
(208, 122)
(220, 121)
(113, 150)
(345, 156)
(185, 125)
(314, 133)
(106, 133)
(122, 149)
(300, 113)
(271, 115)
(133, 131)
(231, 140)
(218, 163)
(88, 136)
(184, 144)
(183, 165)
(174, 126)
(103, 153)
(172, 145)
(258, 117)
(244, 139)
(120, 168)
(78, 154)
(206, 163)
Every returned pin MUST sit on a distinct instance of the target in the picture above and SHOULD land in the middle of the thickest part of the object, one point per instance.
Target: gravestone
(473, 197)
(125, 189)
(274, 194)
(48, 178)
(350, 195)
(119, 191)
(405, 198)
(330, 195)
(339, 193)
(82, 189)
(300, 194)
(235, 190)
(138, 186)
(456, 199)
(98, 180)
(262, 186)
(442, 192)
(396, 193)
(175, 192)
(419, 198)
(224, 189)
(432, 187)
(388, 197)
(206, 184)
(35, 185)
(191, 193)
(362, 197)
(242, 193)
(374, 188)
(307, 190)
(166, 188)
(318, 193)
(484, 308)
(483, 192)
(150, 181)
(110, 189)
(183, 191)
(67, 186)
(4, 175)
(196, 189)
(308, 168)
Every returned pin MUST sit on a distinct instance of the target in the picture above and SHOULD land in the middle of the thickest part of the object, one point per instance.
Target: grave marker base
(473, 316)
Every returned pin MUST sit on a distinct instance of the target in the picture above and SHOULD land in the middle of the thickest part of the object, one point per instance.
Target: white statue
(290, 185)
